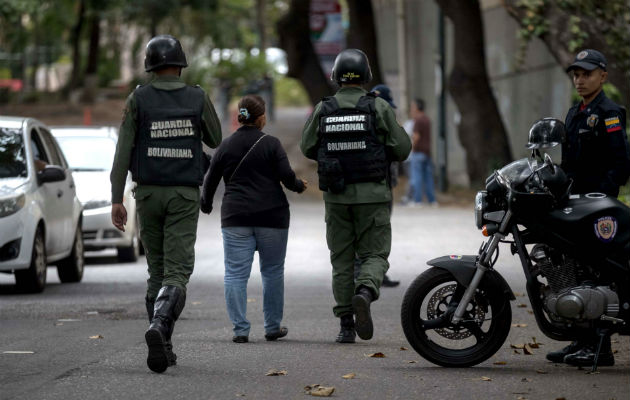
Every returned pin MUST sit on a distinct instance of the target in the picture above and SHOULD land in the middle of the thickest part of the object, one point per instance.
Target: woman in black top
(254, 215)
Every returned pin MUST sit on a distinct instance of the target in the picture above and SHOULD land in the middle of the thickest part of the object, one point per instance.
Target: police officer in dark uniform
(596, 156)
(353, 136)
(160, 142)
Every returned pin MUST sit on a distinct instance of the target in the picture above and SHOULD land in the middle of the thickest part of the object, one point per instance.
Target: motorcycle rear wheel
(432, 297)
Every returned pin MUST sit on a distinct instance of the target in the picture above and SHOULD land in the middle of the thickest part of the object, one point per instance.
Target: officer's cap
(384, 93)
(589, 60)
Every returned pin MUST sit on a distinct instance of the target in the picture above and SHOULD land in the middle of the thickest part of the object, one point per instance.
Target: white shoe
(434, 205)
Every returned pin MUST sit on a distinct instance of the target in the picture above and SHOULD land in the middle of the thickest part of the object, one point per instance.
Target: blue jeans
(239, 245)
(422, 177)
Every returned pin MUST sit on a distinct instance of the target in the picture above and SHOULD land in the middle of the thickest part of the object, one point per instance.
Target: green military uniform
(167, 214)
(358, 219)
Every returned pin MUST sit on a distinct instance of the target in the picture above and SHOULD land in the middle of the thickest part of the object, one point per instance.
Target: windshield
(12, 154)
(517, 172)
(88, 153)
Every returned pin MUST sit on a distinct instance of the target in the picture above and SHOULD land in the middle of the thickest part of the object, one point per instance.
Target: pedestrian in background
(421, 163)
(595, 155)
(164, 124)
(254, 215)
(353, 136)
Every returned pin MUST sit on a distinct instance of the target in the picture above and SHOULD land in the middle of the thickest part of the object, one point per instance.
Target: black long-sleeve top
(253, 197)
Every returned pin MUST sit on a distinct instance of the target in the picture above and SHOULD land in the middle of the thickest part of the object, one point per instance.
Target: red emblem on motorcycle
(606, 229)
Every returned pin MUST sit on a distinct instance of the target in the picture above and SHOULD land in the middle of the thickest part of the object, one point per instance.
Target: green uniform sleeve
(397, 141)
(210, 125)
(124, 147)
(310, 135)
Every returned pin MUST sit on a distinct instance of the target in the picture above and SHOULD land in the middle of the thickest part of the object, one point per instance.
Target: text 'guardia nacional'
(170, 129)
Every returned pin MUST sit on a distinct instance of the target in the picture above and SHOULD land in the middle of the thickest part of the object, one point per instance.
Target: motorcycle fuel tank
(592, 221)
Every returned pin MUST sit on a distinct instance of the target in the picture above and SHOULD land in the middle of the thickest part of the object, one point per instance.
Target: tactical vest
(168, 149)
(349, 150)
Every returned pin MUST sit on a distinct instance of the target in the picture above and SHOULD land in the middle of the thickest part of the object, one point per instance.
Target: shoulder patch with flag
(613, 124)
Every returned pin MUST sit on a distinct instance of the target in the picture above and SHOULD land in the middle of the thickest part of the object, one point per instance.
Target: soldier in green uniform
(160, 142)
(353, 136)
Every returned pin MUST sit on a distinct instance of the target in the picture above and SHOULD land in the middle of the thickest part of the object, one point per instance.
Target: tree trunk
(91, 76)
(73, 83)
(481, 130)
(559, 35)
(261, 25)
(362, 35)
(294, 32)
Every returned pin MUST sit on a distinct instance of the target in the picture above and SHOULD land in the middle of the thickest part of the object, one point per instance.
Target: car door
(47, 196)
(65, 193)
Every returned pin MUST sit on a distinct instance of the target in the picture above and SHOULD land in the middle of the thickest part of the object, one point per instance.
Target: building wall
(539, 88)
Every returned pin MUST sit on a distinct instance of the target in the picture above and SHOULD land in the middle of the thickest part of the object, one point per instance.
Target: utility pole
(442, 143)
(403, 78)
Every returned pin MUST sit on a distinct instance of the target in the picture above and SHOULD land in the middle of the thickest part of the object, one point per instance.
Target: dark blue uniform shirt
(596, 154)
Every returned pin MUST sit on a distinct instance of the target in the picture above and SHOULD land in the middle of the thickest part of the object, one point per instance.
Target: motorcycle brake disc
(438, 305)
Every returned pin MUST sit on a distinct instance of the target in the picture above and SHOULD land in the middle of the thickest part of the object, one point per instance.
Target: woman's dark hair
(419, 103)
(250, 108)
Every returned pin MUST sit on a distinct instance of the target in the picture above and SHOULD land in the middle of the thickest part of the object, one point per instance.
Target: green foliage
(611, 91)
(289, 92)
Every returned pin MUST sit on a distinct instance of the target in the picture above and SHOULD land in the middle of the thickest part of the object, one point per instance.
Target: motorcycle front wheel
(428, 306)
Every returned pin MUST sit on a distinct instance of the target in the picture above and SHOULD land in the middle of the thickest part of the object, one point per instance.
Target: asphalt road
(66, 363)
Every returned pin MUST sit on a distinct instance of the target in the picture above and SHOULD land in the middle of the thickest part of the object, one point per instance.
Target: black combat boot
(172, 357)
(585, 357)
(361, 305)
(558, 356)
(168, 306)
(347, 333)
(388, 282)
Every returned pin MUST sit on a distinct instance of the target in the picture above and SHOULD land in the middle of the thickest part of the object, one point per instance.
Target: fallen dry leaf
(530, 311)
(96, 337)
(517, 352)
(541, 371)
(349, 376)
(276, 372)
(376, 355)
(499, 363)
(519, 325)
(527, 350)
(485, 378)
(403, 349)
(521, 398)
(196, 303)
(522, 305)
(534, 345)
(240, 395)
(517, 346)
(526, 380)
(411, 362)
(319, 391)
(615, 351)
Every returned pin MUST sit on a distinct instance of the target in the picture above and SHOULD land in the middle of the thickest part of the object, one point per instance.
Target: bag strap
(242, 159)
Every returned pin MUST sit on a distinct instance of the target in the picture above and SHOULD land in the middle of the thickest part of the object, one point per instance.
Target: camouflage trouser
(168, 229)
(364, 230)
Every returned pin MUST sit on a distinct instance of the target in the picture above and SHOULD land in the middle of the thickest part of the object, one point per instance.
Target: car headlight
(11, 205)
(480, 207)
(92, 204)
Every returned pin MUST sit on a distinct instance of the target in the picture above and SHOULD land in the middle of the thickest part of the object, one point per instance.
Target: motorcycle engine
(564, 297)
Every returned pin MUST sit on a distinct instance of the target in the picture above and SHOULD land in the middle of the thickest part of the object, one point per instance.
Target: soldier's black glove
(205, 206)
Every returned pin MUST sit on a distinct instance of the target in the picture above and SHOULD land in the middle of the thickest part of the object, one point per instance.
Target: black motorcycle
(457, 313)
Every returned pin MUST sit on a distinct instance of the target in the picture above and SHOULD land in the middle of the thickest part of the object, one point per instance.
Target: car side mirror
(52, 173)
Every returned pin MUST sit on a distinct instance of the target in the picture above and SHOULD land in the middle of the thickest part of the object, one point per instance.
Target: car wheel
(131, 253)
(70, 269)
(33, 279)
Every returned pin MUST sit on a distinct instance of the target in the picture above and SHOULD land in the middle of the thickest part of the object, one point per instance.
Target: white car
(90, 152)
(40, 214)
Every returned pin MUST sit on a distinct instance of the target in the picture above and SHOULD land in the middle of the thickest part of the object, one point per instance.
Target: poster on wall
(327, 31)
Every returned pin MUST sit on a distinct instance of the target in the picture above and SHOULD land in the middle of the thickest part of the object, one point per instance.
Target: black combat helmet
(162, 51)
(351, 66)
(545, 133)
